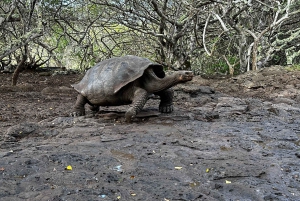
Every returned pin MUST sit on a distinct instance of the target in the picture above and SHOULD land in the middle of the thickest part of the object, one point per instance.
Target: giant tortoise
(127, 80)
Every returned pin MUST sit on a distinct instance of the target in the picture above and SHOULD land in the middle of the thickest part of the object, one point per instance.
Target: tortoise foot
(78, 109)
(77, 113)
(166, 108)
(94, 109)
(130, 114)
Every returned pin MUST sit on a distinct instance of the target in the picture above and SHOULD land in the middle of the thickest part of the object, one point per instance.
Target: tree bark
(243, 55)
(254, 55)
(18, 70)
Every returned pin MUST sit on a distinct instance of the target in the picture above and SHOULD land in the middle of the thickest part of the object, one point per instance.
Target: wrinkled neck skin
(153, 84)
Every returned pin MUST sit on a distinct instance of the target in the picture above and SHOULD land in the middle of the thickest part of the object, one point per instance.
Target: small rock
(52, 90)
(231, 105)
(286, 107)
(195, 89)
(49, 90)
(45, 73)
(22, 130)
(289, 86)
(284, 100)
(50, 133)
(64, 89)
(252, 85)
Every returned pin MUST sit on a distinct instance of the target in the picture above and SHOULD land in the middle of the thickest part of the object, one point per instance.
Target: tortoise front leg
(166, 100)
(138, 102)
(78, 109)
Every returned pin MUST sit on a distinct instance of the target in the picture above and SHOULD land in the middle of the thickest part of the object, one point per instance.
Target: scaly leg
(78, 109)
(94, 108)
(166, 100)
(138, 102)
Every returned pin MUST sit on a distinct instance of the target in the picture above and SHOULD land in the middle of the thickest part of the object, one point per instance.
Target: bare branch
(203, 36)
(222, 22)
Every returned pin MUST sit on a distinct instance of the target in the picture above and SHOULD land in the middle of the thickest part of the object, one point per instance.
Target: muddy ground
(228, 139)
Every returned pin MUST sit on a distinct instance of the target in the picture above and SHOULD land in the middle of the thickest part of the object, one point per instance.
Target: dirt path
(233, 139)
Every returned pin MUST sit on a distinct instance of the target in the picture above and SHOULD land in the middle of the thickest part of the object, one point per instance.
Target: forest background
(206, 36)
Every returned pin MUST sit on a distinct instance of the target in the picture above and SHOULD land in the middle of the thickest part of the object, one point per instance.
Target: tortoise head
(155, 80)
(184, 76)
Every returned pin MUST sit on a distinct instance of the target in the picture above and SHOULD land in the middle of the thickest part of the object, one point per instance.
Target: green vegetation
(180, 35)
(213, 65)
(293, 68)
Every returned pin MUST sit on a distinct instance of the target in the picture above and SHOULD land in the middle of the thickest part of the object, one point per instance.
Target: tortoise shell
(109, 76)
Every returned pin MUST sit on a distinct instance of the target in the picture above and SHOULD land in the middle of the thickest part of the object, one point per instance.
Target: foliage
(294, 68)
(215, 65)
(205, 36)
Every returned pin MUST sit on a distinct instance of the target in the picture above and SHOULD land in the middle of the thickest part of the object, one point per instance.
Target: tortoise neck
(155, 84)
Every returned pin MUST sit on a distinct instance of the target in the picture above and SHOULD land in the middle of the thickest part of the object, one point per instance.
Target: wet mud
(228, 139)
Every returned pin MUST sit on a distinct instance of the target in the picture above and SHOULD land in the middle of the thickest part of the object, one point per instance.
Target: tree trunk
(254, 55)
(18, 70)
(243, 55)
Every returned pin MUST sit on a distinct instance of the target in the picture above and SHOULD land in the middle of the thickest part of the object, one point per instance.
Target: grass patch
(294, 68)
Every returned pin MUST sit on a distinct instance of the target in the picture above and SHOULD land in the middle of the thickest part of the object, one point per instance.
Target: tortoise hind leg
(78, 109)
(138, 102)
(166, 100)
(94, 108)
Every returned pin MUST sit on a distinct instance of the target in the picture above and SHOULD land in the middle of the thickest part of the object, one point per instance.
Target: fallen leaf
(178, 168)
(227, 182)
(119, 197)
(207, 170)
(69, 167)
(2, 169)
